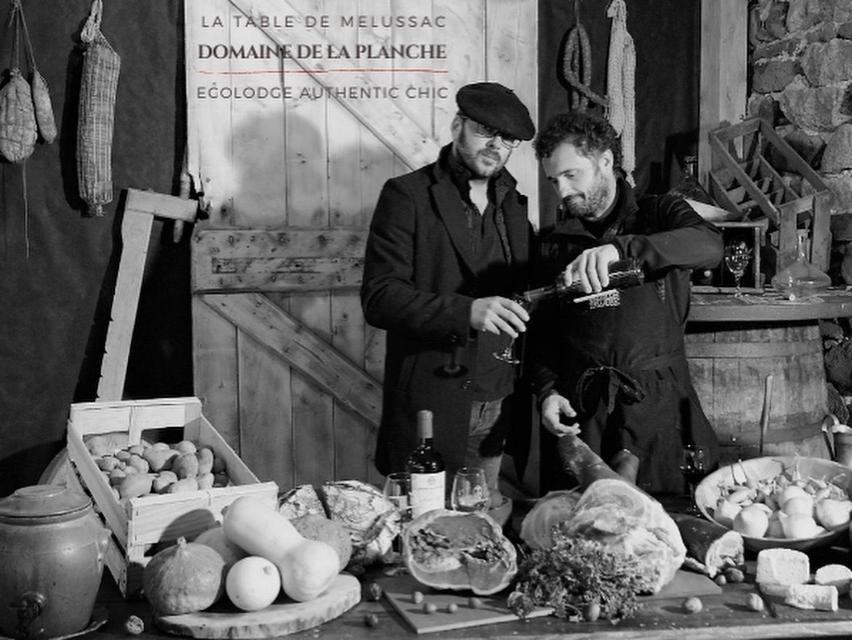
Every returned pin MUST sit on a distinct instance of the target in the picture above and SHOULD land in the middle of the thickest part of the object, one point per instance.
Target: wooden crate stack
(743, 179)
(140, 526)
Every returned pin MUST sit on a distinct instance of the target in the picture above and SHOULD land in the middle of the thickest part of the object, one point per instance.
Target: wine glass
(470, 490)
(507, 355)
(397, 490)
(693, 467)
(737, 258)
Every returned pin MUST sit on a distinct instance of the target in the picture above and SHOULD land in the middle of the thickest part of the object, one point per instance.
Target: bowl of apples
(779, 501)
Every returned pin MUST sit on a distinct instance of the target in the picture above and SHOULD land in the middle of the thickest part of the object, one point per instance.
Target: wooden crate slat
(302, 348)
(742, 177)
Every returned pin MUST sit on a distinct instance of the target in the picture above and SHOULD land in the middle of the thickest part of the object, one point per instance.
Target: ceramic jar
(52, 548)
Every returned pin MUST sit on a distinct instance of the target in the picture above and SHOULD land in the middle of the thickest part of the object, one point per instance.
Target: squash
(183, 578)
(307, 567)
(459, 551)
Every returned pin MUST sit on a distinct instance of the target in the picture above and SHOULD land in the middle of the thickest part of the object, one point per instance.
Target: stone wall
(801, 81)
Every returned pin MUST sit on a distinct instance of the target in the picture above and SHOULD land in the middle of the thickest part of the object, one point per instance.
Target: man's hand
(552, 408)
(591, 268)
(498, 315)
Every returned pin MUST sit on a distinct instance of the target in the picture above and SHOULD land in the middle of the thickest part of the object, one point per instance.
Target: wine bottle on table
(426, 467)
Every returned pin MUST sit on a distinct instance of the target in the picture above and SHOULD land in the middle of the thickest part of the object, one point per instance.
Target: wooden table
(724, 617)
(769, 307)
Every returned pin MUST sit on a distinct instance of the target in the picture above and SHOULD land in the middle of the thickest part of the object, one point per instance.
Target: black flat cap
(496, 106)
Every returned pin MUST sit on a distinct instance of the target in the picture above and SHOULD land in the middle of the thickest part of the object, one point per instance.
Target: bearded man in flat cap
(448, 245)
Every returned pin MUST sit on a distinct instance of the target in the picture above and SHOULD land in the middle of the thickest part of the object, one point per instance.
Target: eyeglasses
(482, 131)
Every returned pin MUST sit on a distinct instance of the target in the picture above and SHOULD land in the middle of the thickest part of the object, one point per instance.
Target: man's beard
(591, 205)
(469, 159)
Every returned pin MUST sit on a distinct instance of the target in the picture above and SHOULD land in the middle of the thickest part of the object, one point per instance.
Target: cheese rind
(812, 596)
(782, 566)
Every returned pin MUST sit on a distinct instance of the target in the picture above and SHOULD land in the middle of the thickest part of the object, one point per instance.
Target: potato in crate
(157, 470)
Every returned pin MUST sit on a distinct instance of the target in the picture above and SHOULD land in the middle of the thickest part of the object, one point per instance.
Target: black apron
(627, 376)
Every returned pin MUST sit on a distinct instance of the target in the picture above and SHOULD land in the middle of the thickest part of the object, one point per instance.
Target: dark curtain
(58, 266)
(666, 34)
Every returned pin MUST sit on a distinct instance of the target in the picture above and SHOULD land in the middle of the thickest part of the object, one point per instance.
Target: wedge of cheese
(835, 575)
(812, 596)
(783, 567)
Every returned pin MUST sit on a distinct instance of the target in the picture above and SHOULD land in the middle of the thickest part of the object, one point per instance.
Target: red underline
(316, 71)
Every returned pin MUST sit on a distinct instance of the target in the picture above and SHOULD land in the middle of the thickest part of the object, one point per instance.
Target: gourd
(307, 566)
(459, 551)
(183, 578)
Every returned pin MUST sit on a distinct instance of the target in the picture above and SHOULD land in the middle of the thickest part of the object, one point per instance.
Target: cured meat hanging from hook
(577, 66)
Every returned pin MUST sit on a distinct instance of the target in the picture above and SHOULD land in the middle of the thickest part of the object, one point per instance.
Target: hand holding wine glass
(507, 355)
(737, 258)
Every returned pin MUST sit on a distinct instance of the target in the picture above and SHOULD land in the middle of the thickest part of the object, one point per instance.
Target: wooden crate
(720, 280)
(141, 525)
(743, 179)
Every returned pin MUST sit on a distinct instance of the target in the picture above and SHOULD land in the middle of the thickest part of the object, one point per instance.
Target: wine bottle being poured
(622, 274)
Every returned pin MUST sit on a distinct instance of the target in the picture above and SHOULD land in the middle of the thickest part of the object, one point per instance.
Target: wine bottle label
(427, 492)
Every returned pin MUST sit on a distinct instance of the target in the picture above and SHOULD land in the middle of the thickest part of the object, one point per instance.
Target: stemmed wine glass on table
(737, 258)
(693, 467)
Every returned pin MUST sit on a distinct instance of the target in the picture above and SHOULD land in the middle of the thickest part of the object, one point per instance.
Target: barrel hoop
(742, 350)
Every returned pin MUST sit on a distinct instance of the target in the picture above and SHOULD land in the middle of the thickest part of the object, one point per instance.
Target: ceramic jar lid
(42, 500)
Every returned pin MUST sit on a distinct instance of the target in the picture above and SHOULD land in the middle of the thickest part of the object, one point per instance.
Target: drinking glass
(693, 467)
(398, 491)
(737, 258)
(507, 355)
(470, 490)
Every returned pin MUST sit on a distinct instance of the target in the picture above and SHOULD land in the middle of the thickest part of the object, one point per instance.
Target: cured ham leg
(619, 514)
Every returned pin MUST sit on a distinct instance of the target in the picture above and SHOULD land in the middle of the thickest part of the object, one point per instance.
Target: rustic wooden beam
(288, 260)
(724, 34)
(295, 343)
(140, 209)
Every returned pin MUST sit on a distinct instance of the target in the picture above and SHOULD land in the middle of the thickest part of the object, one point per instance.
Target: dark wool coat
(419, 284)
(593, 354)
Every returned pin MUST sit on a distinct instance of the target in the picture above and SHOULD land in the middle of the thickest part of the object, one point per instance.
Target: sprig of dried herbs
(576, 572)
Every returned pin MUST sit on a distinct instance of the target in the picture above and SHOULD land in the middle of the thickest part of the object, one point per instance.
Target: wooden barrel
(729, 363)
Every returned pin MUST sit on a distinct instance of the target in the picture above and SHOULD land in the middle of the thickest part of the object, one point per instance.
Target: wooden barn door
(298, 113)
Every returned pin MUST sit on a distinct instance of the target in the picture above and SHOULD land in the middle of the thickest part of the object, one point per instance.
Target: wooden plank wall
(318, 164)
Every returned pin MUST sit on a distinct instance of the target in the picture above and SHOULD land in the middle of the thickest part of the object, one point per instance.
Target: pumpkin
(183, 578)
(459, 551)
(307, 566)
(215, 538)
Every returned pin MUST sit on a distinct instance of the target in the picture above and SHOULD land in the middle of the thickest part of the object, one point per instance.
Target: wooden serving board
(279, 619)
(398, 591)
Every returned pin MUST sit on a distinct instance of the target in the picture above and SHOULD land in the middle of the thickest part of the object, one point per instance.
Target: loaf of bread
(783, 567)
(812, 596)
(299, 502)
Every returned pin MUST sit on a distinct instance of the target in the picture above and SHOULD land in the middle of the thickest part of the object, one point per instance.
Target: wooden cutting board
(398, 591)
(279, 619)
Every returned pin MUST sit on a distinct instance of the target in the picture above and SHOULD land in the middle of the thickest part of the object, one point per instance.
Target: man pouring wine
(612, 368)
